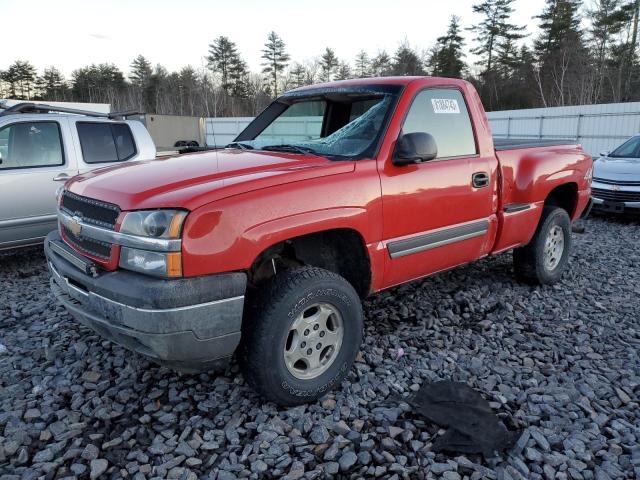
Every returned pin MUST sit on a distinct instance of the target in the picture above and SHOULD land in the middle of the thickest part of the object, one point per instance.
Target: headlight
(151, 263)
(160, 224)
(154, 223)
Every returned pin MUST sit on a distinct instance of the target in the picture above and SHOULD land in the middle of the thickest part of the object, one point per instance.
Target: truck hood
(190, 181)
(617, 168)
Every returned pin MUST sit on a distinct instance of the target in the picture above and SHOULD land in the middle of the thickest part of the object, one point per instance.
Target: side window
(31, 144)
(442, 113)
(105, 142)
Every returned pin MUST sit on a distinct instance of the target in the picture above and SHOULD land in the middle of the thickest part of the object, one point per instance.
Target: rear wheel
(545, 258)
(301, 335)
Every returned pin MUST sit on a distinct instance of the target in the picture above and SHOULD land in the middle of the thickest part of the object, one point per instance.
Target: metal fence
(596, 127)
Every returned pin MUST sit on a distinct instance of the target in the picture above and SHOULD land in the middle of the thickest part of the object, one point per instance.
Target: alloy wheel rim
(313, 341)
(553, 247)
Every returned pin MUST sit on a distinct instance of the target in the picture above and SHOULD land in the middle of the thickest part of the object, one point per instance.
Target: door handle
(480, 179)
(61, 177)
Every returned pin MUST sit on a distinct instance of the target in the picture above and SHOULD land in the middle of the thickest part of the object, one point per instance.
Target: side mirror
(605, 153)
(416, 147)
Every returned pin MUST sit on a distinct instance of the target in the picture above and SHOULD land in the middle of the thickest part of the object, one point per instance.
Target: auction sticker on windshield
(445, 105)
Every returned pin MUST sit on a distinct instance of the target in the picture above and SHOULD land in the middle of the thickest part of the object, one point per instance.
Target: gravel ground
(559, 362)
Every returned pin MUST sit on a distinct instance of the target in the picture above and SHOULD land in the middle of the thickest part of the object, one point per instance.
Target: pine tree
(344, 71)
(560, 25)
(140, 71)
(363, 64)
(406, 61)
(52, 85)
(493, 30)
(608, 19)
(328, 63)
(238, 73)
(98, 83)
(298, 74)
(276, 59)
(561, 55)
(381, 64)
(21, 77)
(139, 77)
(446, 60)
(224, 59)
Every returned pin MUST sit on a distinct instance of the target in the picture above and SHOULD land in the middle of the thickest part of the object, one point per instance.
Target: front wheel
(301, 335)
(545, 257)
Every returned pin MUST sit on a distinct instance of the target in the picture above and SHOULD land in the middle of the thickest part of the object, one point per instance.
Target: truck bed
(519, 143)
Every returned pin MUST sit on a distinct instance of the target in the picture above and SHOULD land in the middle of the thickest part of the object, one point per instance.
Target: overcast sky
(73, 33)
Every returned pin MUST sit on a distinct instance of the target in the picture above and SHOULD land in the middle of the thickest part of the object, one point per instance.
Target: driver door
(436, 213)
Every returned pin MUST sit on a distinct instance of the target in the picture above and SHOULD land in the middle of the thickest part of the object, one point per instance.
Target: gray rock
(23, 456)
(78, 468)
(347, 460)
(259, 466)
(184, 449)
(439, 468)
(43, 456)
(90, 452)
(319, 434)
(341, 428)
(91, 377)
(98, 467)
(296, 471)
(331, 468)
(32, 414)
(364, 458)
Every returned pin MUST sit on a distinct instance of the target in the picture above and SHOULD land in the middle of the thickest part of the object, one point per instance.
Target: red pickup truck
(334, 192)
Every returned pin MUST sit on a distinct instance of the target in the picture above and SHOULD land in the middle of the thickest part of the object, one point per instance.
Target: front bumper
(614, 207)
(191, 324)
(609, 196)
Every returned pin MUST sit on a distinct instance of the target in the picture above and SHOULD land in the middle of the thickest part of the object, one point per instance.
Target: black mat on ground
(472, 426)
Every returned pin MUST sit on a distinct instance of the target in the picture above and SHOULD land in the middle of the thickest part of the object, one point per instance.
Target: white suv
(43, 146)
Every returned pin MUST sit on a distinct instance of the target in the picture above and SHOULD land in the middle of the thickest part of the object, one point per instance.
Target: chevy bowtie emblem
(75, 226)
(615, 188)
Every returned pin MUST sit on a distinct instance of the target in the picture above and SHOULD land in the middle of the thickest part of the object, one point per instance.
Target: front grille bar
(76, 224)
(624, 183)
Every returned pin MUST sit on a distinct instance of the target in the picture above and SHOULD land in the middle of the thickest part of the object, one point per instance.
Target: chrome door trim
(435, 239)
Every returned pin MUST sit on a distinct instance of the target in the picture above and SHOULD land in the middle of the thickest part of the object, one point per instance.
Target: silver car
(40, 150)
(616, 178)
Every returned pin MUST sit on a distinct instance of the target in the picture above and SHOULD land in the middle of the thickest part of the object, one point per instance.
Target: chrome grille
(615, 196)
(93, 211)
(626, 183)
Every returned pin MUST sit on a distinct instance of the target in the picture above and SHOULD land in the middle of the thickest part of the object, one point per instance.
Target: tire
(269, 346)
(530, 262)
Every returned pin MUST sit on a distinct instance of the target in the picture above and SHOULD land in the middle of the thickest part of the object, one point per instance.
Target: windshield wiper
(291, 148)
(241, 146)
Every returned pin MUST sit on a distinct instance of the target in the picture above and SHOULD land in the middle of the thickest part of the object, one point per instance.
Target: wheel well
(564, 196)
(341, 251)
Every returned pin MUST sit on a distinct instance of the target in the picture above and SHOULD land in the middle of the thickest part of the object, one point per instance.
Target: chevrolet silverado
(264, 249)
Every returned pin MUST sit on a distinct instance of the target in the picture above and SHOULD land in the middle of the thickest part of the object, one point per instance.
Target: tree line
(581, 56)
